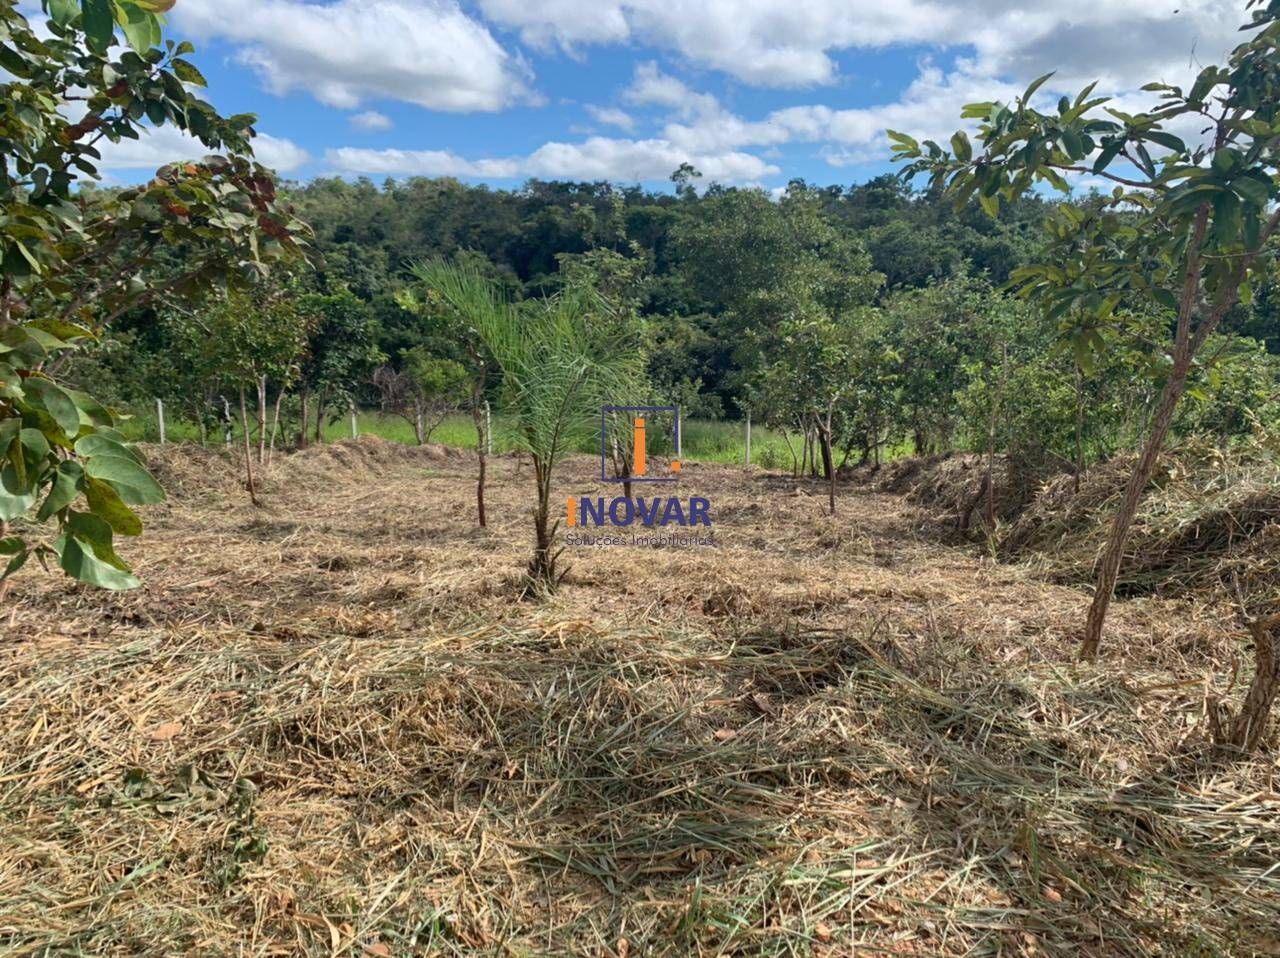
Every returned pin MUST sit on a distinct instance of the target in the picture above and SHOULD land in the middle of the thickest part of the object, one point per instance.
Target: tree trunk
(1109, 570)
(418, 433)
(304, 417)
(1183, 352)
(1251, 724)
(795, 463)
(829, 461)
(275, 426)
(542, 567)
(262, 420)
(248, 450)
(1079, 428)
(824, 440)
(482, 440)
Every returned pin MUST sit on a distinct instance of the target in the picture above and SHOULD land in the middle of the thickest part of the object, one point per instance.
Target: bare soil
(337, 724)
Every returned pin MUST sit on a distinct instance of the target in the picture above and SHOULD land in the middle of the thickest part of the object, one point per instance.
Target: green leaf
(960, 145)
(16, 497)
(104, 502)
(79, 561)
(99, 23)
(127, 477)
(1110, 150)
(66, 486)
(1167, 140)
(35, 443)
(187, 73)
(1226, 217)
(16, 563)
(1035, 85)
(45, 394)
(98, 443)
(63, 11)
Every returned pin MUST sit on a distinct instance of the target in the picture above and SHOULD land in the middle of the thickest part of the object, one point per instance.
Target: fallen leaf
(725, 734)
(624, 948)
(822, 932)
(379, 948)
(761, 701)
(166, 731)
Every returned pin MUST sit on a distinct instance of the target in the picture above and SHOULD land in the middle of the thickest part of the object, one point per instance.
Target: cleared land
(332, 725)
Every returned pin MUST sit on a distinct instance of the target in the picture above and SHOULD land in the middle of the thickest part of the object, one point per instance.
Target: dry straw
(330, 726)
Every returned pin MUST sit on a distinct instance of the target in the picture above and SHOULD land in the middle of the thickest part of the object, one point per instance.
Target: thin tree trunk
(1254, 718)
(304, 418)
(829, 459)
(1183, 352)
(1079, 427)
(262, 420)
(482, 441)
(990, 508)
(795, 463)
(1109, 570)
(275, 426)
(248, 450)
(824, 440)
(542, 568)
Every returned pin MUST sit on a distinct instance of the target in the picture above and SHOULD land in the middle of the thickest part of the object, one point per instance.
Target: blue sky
(749, 91)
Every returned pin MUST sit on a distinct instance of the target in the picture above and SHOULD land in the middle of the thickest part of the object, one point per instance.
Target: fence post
(160, 417)
(748, 437)
(488, 430)
(355, 430)
(679, 433)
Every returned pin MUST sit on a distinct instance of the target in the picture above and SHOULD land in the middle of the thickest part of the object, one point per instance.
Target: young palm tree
(558, 368)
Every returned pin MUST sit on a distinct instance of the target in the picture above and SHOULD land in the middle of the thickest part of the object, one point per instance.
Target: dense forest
(739, 294)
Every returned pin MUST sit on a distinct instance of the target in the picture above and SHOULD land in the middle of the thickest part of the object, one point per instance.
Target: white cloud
(612, 116)
(651, 87)
(781, 43)
(371, 121)
(427, 52)
(597, 158)
(167, 144)
(283, 156)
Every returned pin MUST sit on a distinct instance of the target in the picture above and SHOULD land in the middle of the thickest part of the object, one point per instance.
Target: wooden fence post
(160, 417)
(748, 457)
(355, 429)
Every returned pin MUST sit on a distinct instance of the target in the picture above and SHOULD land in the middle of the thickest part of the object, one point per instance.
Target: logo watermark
(639, 445)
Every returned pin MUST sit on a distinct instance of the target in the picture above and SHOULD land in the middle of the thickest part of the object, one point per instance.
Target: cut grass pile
(330, 726)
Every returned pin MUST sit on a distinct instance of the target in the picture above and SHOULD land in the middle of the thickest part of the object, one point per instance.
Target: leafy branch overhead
(73, 259)
(1188, 224)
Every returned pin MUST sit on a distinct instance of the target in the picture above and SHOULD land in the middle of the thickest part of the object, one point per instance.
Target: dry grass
(331, 726)
(1209, 525)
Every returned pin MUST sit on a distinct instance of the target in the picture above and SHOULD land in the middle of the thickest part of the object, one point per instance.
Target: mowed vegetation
(332, 723)
(974, 652)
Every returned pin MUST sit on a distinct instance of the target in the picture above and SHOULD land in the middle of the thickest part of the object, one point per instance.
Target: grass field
(704, 440)
(334, 725)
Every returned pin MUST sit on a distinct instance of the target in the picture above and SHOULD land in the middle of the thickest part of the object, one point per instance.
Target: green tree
(340, 356)
(424, 390)
(246, 341)
(1185, 225)
(72, 262)
(1182, 231)
(559, 365)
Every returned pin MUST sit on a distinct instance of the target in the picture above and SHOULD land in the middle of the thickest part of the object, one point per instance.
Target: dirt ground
(334, 725)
